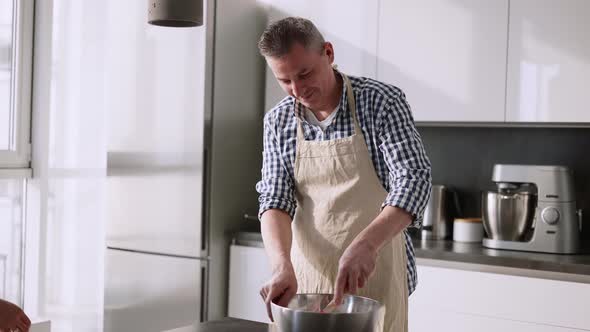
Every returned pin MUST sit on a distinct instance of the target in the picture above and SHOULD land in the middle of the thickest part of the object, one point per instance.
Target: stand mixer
(532, 209)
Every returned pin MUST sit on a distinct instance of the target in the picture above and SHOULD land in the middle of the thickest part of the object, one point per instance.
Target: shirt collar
(300, 110)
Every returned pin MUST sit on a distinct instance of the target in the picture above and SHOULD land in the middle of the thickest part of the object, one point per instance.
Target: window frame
(18, 155)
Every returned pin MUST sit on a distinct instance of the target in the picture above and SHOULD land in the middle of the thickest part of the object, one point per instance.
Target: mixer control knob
(550, 215)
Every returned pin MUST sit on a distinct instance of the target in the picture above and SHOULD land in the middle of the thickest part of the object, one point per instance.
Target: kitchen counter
(227, 325)
(473, 256)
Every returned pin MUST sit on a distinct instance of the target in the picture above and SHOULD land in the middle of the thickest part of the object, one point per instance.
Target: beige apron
(338, 195)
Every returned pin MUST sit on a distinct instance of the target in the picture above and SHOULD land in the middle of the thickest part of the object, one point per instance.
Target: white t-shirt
(310, 117)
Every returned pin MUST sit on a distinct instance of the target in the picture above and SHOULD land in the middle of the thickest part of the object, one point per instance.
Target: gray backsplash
(463, 157)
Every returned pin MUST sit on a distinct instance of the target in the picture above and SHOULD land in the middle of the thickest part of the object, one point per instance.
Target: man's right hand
(281, 288)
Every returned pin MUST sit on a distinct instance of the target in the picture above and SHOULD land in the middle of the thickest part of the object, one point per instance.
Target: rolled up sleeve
(410, 179)
(276, 187)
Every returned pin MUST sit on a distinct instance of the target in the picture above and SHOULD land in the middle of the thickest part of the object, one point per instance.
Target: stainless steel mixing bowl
(355, 314)
(507, 215)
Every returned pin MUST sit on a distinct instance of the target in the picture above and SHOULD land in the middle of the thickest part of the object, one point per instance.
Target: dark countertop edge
(474, 257)
(247, 239)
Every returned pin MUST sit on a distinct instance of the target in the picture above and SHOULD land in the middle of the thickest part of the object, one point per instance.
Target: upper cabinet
(462, 61)
(548, 61)
(350, 25)
(448, 56)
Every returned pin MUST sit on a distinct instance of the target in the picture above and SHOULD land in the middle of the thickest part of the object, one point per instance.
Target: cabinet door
(441, 320)
(350, 25)
(469, 295)
(249, 269)
(448, 56)
(548, 61)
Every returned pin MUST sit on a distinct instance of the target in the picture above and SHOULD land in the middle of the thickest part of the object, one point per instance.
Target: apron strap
(300, 136)
(351, 106)
(351, 103)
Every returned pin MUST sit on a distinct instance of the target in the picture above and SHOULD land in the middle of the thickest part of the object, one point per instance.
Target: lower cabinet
(457, 300)
(445, 299)
(448, 321)
(249, 269)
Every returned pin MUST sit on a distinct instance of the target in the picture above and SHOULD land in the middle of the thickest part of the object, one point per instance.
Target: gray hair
(278, 38)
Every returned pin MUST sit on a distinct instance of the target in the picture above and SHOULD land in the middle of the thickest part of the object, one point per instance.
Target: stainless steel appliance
(179, 126)
(442, 206)
(533, 208)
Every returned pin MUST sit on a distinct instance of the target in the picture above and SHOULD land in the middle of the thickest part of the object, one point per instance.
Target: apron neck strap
(351, 103)
(351, 106)
(300, 136)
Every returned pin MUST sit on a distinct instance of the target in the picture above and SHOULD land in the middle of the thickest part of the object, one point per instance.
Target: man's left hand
(356, 266)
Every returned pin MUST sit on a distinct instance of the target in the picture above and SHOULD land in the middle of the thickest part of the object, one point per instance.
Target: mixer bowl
(508, 215)
(355, 314)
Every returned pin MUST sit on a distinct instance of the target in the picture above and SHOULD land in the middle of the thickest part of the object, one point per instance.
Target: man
(344, 173)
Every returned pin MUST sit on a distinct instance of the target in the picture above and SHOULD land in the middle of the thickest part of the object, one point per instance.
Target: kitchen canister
(467, 230)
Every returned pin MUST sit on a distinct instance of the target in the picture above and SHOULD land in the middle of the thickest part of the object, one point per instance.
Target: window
(16, 27)
(11, 239)
(16, 36)
(6, 10)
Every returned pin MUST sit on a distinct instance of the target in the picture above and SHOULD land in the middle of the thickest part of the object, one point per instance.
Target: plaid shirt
(394, 144)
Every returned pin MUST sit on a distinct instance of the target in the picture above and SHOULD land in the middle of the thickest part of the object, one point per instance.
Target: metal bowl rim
(380, 305)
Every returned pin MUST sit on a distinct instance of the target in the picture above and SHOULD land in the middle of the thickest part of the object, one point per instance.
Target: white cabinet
(548, 61)
(249, 269)
(350, 25)
(433, 320)
(467, 301)
(501, 61)
(448, 56)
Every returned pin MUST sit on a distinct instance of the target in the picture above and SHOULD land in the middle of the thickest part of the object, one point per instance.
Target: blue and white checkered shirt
(394, 144)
